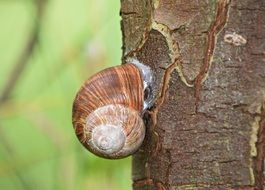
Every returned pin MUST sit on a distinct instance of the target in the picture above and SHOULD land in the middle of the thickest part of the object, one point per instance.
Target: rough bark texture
(207, 128)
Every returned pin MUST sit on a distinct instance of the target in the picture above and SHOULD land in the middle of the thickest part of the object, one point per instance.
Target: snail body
(108, 109)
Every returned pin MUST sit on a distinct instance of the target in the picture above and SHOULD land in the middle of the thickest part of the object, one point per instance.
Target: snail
(108, 110)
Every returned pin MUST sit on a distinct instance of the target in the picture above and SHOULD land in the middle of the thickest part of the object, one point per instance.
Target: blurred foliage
(38, 147)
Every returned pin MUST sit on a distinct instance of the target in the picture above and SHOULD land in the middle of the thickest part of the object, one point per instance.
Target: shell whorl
(107, 112)
(114, 131)
(108, 139)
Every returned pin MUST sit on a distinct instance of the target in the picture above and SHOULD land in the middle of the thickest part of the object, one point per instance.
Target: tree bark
(207, 127)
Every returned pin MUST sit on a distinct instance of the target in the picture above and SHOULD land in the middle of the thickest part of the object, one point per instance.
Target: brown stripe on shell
(117, 85)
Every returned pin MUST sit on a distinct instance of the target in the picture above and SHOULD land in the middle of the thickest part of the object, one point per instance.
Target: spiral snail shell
(107, 110)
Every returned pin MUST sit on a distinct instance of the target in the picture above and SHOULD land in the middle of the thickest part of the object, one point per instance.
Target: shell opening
(108, 138)
(148, 81)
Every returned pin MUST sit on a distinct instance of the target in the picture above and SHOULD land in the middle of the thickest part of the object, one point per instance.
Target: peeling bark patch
(235, 39)
(257, 146)
(177, 13)
(173, 48)
(258, 161)
(254, 136)
(156, 3)
(216, 27)
(166, 32)
(188, 22)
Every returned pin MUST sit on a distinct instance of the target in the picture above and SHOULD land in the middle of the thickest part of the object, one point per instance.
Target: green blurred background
(38, 147)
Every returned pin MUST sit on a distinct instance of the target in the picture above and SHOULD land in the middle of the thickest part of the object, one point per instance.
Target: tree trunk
(207, 127)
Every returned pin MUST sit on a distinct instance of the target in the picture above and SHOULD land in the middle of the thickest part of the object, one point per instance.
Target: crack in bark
(145, 35)
(128, 13)
(153, 115)
(215, 28)
(176, 64)
(243, 187)
(166, 79)
(258, 161)
(133, 52)
(149, 182)
(215, 186)
(168, 152)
